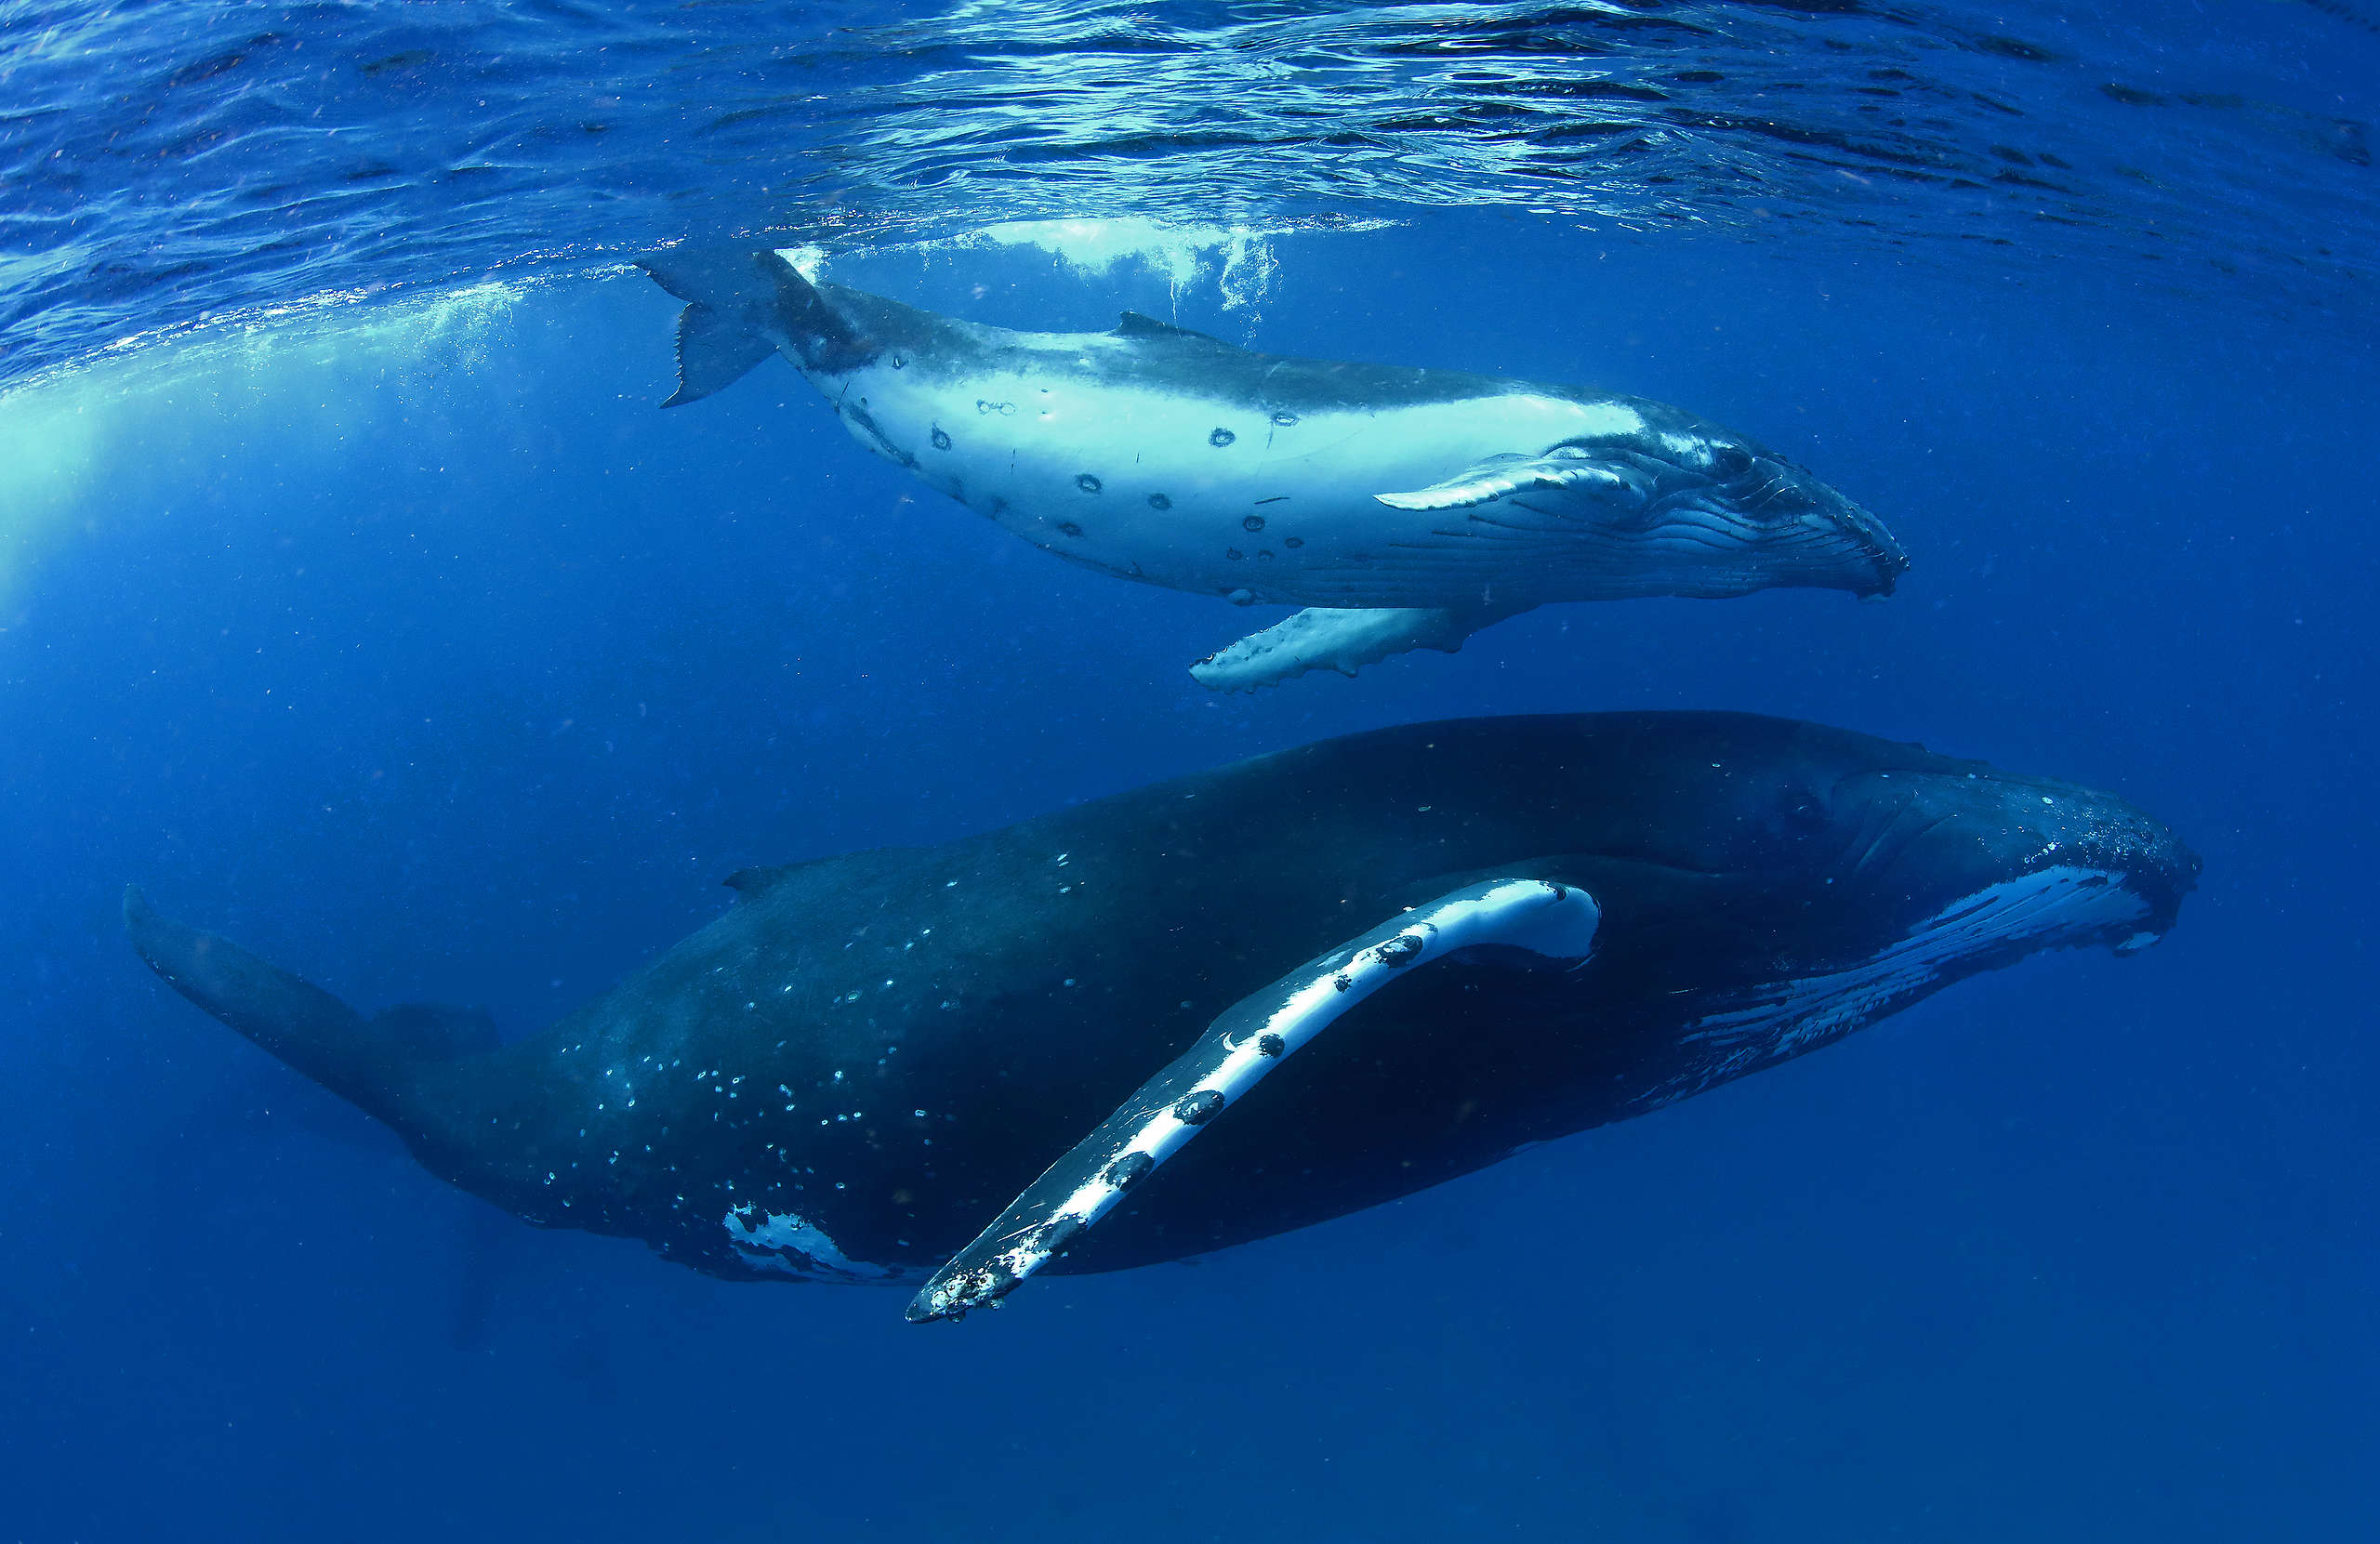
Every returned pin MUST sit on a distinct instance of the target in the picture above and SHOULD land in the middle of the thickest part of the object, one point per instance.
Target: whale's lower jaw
(2059, 907)
(1503, 560)
(1700, 554)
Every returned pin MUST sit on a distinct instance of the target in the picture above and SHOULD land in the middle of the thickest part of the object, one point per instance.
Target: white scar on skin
(764, 1239)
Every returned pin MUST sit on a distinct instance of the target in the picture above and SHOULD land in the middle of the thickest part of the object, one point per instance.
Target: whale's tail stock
(742, 306)
(377, 1064)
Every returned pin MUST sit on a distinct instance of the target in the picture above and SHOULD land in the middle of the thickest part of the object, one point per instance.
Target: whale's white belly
(1197, 493)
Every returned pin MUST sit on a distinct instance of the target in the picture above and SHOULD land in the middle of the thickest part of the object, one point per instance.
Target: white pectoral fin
(1249, 1040)
(1322, 637)
(1503, 476)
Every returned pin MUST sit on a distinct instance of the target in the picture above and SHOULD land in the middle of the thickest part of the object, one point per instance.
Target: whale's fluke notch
(366, 1063)
(1247, 1041)
(739, 306)
(1323, 638)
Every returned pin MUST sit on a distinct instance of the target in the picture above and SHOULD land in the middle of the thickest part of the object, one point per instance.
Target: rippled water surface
(165, 165)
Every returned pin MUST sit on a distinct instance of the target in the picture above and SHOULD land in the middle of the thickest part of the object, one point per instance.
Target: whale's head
(1879, 840)
(1720, 514)
(1803, 531)
(1827, 880)
(1974, 865)
(1861, 874)
(1637, 498)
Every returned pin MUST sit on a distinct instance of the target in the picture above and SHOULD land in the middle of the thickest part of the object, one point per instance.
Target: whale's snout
(1869, 552)
(1804, 527)
(1668, 505)
(2098, 832)
(1994, 857)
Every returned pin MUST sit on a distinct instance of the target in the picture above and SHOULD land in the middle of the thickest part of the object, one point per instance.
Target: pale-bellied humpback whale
(1493, 931)
(1405, 508)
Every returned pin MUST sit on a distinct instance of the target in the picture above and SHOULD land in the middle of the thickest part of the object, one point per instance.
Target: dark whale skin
(888, 1046)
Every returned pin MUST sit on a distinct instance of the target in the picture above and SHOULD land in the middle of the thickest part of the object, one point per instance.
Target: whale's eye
(1730, 460)
(1221, 437)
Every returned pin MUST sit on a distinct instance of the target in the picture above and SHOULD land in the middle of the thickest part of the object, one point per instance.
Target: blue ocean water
(356, 598)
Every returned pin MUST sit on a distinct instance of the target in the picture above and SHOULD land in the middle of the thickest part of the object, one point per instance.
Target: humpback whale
(1234, 1004)
(1403, 508)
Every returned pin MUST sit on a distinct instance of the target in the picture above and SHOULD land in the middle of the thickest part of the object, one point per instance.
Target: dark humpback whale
(1405, 508)
(1492, 932)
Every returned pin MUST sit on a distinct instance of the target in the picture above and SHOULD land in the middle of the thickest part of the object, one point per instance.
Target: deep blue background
(421, 653)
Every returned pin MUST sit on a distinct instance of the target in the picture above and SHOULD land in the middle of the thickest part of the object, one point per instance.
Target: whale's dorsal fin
(750, 884)
(1247, 1041)
(1134, 324)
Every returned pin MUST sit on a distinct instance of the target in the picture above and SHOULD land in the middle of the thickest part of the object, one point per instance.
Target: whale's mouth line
(1766, 488)
(1681, 544)
(2062, 906)
(1773, 481)
(1888, 834)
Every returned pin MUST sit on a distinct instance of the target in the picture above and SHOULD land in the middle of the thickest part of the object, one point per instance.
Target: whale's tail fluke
(372, 1063)
(722, 332)
(742, 306)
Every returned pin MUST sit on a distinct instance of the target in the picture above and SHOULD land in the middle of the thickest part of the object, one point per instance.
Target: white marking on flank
(792, 1244)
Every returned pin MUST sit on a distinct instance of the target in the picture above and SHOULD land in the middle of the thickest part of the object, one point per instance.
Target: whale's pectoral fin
(1323, 638)
(1249, 1040)
(366, 1063)
(1567, 469)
